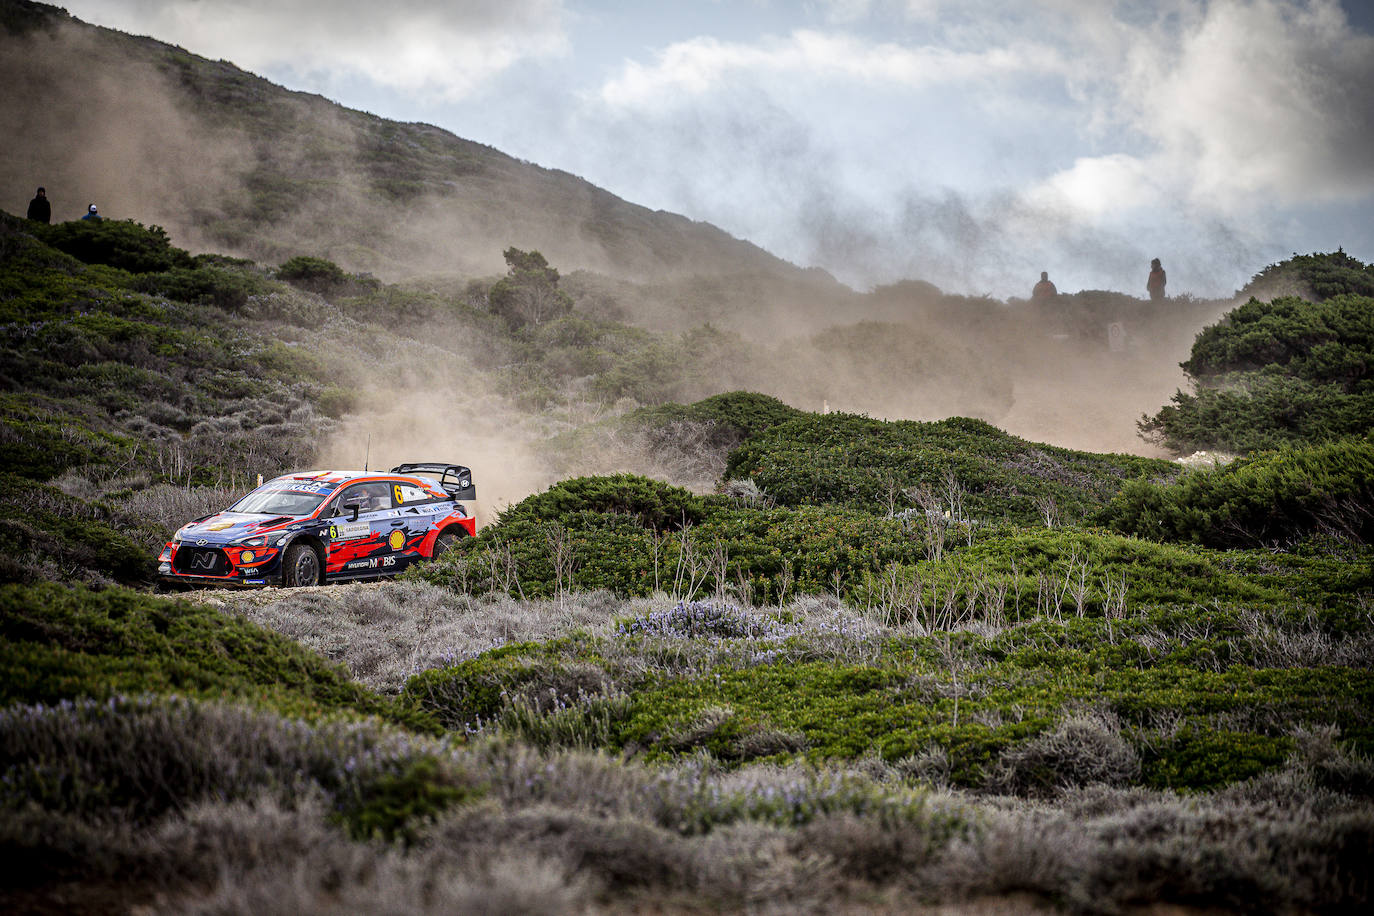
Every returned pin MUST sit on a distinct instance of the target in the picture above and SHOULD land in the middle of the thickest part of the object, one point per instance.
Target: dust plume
(94, 124)
(228, 162)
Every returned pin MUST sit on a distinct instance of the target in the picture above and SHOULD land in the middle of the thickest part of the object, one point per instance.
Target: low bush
(45, 534)
(123, 244)
(207, 284)
(145, 756)
(62, 643)
(317, 275)
(1270, 499)
(965, 467)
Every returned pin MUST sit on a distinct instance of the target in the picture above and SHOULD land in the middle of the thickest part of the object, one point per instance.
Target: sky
(967, 143)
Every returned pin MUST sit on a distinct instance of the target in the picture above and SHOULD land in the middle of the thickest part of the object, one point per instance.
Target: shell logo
(398, 539)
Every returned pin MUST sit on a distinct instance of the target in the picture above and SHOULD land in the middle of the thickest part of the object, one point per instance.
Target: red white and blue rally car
(317, 526)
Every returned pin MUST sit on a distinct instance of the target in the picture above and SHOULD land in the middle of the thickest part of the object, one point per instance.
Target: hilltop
(228, 161)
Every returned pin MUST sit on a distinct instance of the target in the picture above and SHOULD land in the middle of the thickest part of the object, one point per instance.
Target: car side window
(405, 493)
(368, 497)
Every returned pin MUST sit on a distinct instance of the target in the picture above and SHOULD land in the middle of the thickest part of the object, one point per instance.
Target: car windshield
(279, 500)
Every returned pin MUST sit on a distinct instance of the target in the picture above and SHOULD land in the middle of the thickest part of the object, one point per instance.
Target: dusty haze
(230, 163)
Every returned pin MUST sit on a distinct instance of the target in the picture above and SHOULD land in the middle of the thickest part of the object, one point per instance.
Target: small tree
(528, 293)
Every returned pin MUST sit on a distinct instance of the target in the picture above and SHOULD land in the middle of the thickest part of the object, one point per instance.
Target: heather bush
(143, 757)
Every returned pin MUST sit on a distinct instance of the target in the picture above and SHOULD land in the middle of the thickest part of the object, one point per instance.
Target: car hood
(225, 527)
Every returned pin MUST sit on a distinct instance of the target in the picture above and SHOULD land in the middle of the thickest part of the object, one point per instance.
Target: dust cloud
(228, 162)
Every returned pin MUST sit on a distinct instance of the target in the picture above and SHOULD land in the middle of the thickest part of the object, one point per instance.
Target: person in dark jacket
(1156, 282)
(39, 209)
(92, 213)
(1044, 289)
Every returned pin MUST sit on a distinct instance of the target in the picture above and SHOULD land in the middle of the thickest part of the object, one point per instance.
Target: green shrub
(124, 244)
(1276, 372)
(227, 289)
(44, 531)
(1271, 498)
(1261, 411)
(734, 416)
(651, 504)
(314, 274)
(63, 643)
(1200, 759)
(972, 468)
(39, 440)
(1319, 276)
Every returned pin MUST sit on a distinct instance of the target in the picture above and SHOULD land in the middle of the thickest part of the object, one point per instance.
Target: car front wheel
(300, 566)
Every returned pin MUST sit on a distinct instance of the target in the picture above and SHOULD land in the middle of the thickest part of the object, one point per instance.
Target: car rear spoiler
(454, 478)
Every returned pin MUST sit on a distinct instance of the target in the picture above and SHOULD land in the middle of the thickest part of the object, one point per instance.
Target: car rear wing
(454, 478)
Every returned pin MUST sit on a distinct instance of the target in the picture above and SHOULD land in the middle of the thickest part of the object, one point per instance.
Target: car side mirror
(354, 516)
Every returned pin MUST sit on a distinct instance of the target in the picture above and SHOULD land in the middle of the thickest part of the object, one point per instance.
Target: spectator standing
(92, 214)
(1156, 282)
(1044, 289)
(40, 210)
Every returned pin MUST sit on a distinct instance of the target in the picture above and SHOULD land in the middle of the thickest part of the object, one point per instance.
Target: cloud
(442, 50)
(1239, 109)
(1265, 97)
(702, 65)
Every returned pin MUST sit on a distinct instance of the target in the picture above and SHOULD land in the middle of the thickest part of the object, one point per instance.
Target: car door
(409, 522)
(363, 542)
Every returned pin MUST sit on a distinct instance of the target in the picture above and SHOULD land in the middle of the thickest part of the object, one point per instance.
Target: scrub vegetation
(855, 662)
(729, 654)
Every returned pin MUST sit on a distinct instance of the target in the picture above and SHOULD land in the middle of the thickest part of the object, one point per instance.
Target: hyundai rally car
(318, 526)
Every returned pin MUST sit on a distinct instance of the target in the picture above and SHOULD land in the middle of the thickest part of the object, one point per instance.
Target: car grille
(201, 561)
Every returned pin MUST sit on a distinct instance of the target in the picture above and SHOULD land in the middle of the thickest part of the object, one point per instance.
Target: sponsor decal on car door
(361, 545)
(413, 521)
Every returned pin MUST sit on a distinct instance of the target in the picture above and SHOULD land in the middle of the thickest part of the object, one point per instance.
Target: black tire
(300, 566)
(443, 544)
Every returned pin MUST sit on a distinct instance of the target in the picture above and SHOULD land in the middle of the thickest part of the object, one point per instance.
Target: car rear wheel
(300, 566)
(443, 544)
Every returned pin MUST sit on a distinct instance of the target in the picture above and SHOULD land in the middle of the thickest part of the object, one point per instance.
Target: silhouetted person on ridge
(91, 213)
(40, 211)
(1044, 289)
(1156, 282)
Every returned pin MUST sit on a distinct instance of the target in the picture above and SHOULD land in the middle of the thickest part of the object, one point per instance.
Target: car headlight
(258, 541)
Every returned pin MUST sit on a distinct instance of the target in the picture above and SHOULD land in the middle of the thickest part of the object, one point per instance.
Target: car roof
(343, 477)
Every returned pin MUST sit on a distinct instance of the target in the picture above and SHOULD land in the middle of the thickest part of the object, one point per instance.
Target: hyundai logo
(203, 561)
(201, 543)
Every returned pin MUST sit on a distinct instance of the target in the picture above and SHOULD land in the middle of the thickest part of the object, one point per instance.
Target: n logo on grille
(203, 560)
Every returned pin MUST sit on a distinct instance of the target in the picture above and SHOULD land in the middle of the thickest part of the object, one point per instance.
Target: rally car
(318, 526)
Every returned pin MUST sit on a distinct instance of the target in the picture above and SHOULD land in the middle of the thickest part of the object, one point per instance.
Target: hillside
(778, 604)
(228, 161)
(862, 660)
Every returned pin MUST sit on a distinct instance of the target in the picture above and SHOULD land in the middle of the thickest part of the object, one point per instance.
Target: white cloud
(1259, 100)
(850, 11)
(446, 50)
(1097, 188)
(702, 64)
